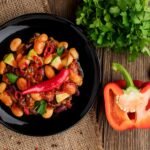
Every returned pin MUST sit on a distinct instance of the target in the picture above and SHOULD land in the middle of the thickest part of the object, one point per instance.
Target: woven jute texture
(83, 136)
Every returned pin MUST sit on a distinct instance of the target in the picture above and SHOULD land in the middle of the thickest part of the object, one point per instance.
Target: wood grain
(64, 8)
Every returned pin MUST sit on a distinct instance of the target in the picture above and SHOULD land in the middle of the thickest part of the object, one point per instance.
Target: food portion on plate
(40, 76)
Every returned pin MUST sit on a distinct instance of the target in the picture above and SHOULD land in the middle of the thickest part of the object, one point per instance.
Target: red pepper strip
(123, 118)
(49, 84)
(50, 48)
(26, 111)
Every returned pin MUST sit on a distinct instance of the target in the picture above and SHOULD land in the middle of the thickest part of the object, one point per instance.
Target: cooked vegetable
(22, 84)
(67, 60)
(48, 59)
(2, 67)
(36, 96)
(17, 111)
(49, 71)
(49, 84)
(23, 63)
(39, 46)
(57, 63)
(61, 96)
(63, 44)
(43, 37)
(6, 99)
(69, 88)
(60, 51)
(12, 77)
(61, 109)
(15, 43)
(38, 61)
(117, 24)
(76, 78)
(127, 103)
(40, 107)
(31, 54)
(70, 59)
(50, 48)
(36, 76)
(3, 86)
(10, 60)
(48, 113)
(74, 53)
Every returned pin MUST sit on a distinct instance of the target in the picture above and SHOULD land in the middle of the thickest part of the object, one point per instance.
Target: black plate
(61, 29)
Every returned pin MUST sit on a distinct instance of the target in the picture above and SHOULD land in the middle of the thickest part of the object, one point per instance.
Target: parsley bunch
(122, 25)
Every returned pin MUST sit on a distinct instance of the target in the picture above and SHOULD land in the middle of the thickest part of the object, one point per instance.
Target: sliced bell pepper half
(127, 102)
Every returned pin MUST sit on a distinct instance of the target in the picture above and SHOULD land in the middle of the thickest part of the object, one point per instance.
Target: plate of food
(49, 74)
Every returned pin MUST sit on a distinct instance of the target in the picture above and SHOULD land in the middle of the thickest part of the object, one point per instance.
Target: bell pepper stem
(127, 77)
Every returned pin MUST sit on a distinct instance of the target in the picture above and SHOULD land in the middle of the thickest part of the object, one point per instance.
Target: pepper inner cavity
(132, 115)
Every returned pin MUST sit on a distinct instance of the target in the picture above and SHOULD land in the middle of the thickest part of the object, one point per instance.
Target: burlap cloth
(83, 136)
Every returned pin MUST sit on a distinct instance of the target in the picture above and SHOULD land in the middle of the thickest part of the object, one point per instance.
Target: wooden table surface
(108, 138)
(140, 69)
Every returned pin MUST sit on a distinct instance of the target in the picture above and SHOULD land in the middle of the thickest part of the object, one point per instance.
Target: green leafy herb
(122, 25)
(12, 77)
(40, 107)
(60, 51)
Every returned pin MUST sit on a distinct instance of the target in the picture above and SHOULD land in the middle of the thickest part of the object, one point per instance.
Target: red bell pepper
(49, 85)
(50, 48)
(127, 102)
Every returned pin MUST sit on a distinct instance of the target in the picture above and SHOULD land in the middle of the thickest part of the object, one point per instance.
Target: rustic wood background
(85, 135)
(140, 69)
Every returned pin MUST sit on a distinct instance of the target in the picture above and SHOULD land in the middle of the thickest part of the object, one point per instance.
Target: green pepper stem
(125, 73)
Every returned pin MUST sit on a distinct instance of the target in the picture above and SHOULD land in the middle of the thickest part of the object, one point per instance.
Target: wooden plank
(127, 140)
(64, 8)
(67, 9)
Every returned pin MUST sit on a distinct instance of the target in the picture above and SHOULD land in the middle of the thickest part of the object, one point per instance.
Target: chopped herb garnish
(11, 77)
(60, 51)
(40, 107)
